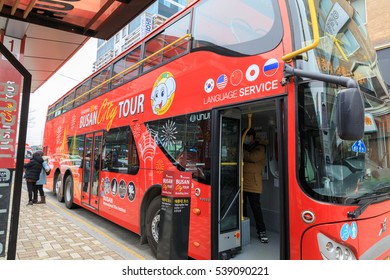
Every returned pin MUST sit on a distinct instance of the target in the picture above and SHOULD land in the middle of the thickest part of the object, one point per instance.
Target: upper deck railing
(122, 73)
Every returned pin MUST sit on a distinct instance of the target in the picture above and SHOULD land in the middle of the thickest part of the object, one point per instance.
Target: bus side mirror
(350, 114)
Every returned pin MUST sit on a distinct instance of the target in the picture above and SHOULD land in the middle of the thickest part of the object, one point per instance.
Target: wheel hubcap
(67, 191)
(155, 225)
(58, 185)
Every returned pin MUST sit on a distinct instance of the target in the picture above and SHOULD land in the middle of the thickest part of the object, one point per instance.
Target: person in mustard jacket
(254, 160)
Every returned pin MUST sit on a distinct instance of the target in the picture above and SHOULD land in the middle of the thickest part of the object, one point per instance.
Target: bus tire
(68, 192)
(58, 186)
(153, 223)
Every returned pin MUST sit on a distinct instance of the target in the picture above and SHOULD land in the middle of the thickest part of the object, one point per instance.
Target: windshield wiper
(358, 211)
(383, 188)
(368, 198)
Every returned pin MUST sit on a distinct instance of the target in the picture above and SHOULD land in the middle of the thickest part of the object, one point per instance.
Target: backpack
(46, 167)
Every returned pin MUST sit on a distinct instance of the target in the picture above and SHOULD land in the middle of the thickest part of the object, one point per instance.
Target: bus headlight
(338, 253)
(329, 247)
(347, 254)
(331, 250)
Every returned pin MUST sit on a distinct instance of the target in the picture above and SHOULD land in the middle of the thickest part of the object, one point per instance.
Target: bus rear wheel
(153, 223)
(68, 192)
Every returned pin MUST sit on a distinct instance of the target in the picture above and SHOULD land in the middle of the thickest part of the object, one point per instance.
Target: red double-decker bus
(302, 74)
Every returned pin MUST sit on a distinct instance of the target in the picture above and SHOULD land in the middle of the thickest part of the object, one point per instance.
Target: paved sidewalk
(45, 235)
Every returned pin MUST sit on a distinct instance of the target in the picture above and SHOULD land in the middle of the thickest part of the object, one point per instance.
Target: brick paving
(44, 234)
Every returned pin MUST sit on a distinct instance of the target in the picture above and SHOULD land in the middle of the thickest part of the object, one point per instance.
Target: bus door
(91, 169)
(233, 235)
(229, 190)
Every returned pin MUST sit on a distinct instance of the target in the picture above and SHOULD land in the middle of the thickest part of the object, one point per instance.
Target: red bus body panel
(190, 95)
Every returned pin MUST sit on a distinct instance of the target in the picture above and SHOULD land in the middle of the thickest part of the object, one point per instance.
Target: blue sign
(348, 231)
(344, 232)
(353, 230)
(359, 147)
(327, 160)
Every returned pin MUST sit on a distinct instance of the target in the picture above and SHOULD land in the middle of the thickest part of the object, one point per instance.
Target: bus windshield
(236, 28)
(331, 169)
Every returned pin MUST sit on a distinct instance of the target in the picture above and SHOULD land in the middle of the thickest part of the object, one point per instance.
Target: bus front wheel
(153, 223)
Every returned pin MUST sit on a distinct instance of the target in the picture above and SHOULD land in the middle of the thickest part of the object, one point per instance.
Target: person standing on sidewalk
(32, 171)
(42, 178)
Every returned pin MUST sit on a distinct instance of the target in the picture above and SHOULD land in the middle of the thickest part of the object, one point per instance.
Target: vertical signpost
(5, 188)
(10, 90)
(13, 78)
(146, 24)
(174, 216)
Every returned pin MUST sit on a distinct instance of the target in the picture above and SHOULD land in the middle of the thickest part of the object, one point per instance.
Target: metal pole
(13, 234)
(242, 164)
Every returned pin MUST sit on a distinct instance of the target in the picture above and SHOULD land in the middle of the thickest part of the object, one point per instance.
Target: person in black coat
(32, 171)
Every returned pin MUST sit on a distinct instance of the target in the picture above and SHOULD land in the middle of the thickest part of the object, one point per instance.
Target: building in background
(375, 14)
(378, 25)
(149, 20)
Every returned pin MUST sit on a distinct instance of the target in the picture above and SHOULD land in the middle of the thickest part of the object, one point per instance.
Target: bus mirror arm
(349, 104)
(338, 80)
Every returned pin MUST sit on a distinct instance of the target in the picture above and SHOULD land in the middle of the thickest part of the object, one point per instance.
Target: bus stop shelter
(37, 37)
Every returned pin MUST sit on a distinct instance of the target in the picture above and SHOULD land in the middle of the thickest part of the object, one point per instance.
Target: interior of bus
(262, 117)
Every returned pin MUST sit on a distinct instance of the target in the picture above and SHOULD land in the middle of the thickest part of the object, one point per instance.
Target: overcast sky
(73, 72)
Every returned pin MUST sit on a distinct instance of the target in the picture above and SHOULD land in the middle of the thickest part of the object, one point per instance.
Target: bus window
(81, 98)
(244, 27)
(153, 45)
(168, 36)
(57, 110)
(103, 76)
(125, 63)
(75, 150)
(174, 32)
(50, 113)
(68, 102)
(186, 142)
(133, 157)
(119, 151)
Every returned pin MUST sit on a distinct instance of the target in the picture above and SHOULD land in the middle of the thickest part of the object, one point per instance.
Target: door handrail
(316, 35)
